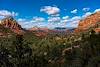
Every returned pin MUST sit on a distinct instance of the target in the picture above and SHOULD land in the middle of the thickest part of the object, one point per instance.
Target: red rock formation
(97, 30)
(10, 23)
(88, 22)
(33, 29)
(39, 31)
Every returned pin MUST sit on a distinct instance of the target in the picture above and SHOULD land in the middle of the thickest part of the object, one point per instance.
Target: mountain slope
(10, 23)
(92, 21)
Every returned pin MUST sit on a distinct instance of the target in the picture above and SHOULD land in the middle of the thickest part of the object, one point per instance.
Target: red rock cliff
(10, 23)
(88, 22)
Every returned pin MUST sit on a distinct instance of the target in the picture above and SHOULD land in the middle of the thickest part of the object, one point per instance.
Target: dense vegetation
(74, 50)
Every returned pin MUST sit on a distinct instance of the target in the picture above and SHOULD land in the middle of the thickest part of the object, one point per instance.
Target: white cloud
(53, 25)
(65, 17)
(8, 13)
(73, 24)
(55, 22)
(1, 17)
(75, 18)
(74, 21)
(74, 11)
(21, 20)
(86, 9)
(54, 19)
(50, 10)
(89, 13)
(86, 14)
(64, 22)
(24, 23)
(97, 10)
(38, 19)
(55, 15)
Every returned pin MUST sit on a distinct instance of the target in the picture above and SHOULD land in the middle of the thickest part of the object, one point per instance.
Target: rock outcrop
(10, 23)
(90, 21)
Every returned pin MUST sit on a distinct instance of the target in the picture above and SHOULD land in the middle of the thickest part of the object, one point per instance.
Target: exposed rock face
(5, 32)
(97, 30)
(10, 23)
(91, 21)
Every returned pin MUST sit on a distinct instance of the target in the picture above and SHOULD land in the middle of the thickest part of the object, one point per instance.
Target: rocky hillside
(10, 23)
(91, 21)
(5, 32)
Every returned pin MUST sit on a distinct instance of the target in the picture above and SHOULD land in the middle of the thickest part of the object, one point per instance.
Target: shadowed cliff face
(91, 21)
(10, 23)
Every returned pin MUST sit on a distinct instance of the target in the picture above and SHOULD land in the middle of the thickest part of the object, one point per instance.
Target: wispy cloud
(74, 21)
(65, 17)
(86, 14)
(86, 9)
(8, 13)
(74, 11)
(50, 10)
(54, 19)
(25, 23)
(97, 10)
(38, 19)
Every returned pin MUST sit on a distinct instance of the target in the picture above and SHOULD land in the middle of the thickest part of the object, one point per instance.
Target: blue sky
(48, 13)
